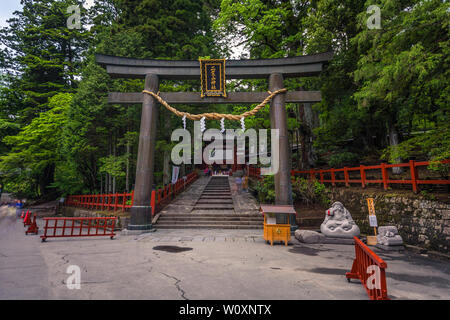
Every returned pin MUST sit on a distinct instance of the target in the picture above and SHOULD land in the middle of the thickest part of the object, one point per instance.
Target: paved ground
(234, 264)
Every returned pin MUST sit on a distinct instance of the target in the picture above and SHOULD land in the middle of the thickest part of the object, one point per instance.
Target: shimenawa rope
(213, 115)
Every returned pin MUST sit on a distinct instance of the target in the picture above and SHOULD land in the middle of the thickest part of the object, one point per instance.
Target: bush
(342, 159)
(266, 189)
(306, 191)
(310, 192)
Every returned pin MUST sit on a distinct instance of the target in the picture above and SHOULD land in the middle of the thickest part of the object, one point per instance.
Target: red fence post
(384, 175)
(153, 202)
(312, 176)
(346, 177)
(414, 175)
(333, 178)
(116, 203)
(363, 176)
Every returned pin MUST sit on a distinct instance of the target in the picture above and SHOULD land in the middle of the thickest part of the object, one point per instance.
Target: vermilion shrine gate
(275, 70)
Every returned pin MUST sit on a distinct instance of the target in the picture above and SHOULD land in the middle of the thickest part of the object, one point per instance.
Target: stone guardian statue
(338, 223)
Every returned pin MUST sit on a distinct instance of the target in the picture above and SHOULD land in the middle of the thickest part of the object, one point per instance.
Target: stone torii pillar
(141, 211)
(278, 120)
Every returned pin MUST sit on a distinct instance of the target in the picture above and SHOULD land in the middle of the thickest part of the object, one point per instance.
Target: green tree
(41, 54)
(404, 75)
(35, 151)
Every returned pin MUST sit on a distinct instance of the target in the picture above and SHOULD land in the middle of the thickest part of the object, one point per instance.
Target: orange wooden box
(278, 231)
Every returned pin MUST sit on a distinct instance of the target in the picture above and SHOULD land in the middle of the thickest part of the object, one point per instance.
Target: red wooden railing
(79, 227)
(253, 171)
(370, 270)
(412, 165)
(124, 201)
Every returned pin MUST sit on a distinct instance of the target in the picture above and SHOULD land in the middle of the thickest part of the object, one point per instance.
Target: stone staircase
(214, 209)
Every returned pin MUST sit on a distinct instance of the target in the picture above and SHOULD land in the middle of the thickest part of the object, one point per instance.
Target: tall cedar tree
(40, 58)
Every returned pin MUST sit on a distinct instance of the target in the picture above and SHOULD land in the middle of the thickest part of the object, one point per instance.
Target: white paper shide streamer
(184, 122)
(243, 123)
(202, 124)
(222, 125)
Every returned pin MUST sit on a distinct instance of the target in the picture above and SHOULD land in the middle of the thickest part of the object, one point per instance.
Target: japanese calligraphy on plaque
(212, 73)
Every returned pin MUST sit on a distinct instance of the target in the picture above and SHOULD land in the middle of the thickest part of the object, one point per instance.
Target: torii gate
(275, 70)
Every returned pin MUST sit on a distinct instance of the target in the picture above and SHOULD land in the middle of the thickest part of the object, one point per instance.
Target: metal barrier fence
(79, 227)
(124, 201)
(370, 270)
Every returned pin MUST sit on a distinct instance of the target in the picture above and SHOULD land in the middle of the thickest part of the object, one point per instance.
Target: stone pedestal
(389, 239)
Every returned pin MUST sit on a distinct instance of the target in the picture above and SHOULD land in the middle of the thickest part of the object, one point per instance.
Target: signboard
(373, 221)
(212, 75)
(372, 217)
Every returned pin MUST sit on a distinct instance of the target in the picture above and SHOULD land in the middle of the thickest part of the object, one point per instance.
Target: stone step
(210, 222)
(214, 201)
(209, 218)
(213, 206)
(205, 226)
(206, 213)
(223, 196)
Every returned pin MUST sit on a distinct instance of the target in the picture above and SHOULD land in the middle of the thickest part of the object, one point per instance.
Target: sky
(6, 10)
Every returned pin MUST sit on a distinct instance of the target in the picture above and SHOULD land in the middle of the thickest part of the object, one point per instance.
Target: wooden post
(384, 175)
(363, 176)
(346, 177)
(414, 175)
(116, 202)
(333, 178)
(153, 201)
(141, 211)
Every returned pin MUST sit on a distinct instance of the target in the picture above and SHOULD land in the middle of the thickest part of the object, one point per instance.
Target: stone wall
(420, 221)
(122, 218)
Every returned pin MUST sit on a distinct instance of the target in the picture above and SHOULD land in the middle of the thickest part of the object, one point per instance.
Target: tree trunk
(393, 142)
(309, 121)
(127, 173)
(166, 168)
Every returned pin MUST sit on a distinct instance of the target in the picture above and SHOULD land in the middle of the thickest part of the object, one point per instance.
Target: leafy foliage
(265, 189)
(310, 192)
